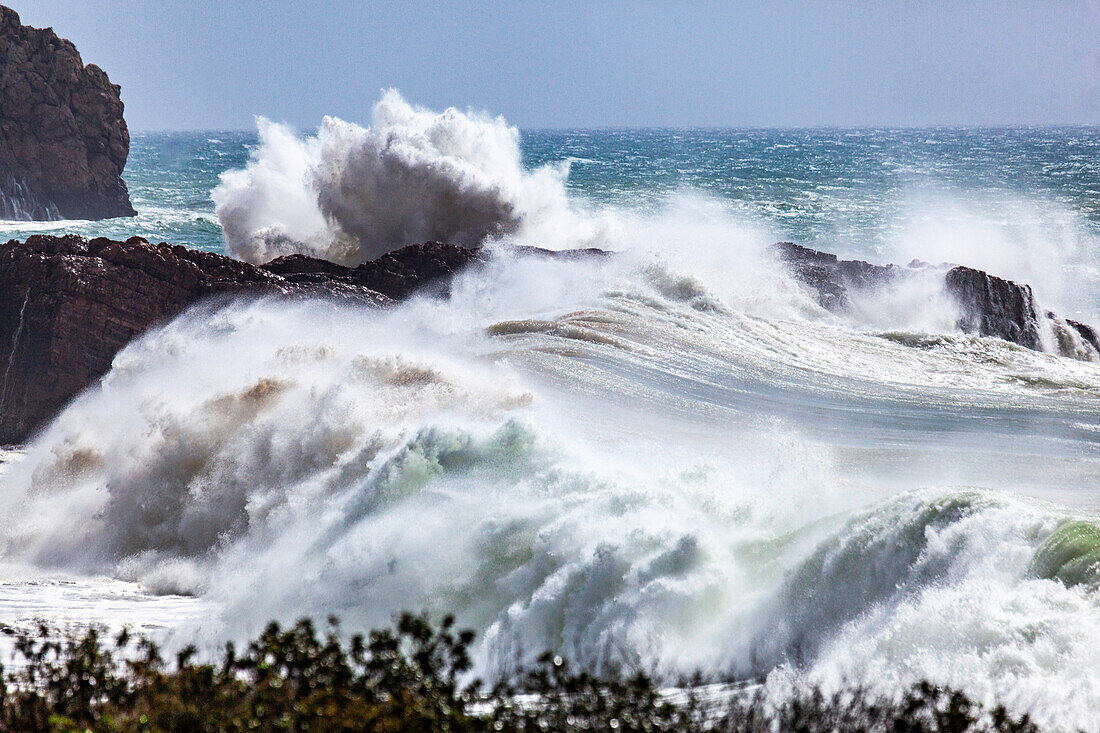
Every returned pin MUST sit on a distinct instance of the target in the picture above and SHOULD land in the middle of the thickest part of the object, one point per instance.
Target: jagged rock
(831, 277)
(992, 306)
(399, 273)
(63, 141)
(395, 275)
(68, 305)
(988, 305)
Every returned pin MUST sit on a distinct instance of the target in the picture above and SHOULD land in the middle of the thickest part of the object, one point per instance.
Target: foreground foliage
(408, 678)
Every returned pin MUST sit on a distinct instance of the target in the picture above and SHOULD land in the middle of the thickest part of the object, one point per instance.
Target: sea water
(673, 459)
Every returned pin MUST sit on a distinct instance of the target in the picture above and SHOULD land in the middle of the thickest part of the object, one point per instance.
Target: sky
(216, 65)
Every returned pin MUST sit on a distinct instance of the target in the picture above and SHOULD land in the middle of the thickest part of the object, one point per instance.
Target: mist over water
(672, 459)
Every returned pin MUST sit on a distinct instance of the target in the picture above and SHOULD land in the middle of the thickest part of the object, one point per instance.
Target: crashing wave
(350, 194)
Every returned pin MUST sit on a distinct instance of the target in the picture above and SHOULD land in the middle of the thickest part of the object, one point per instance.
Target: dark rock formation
(992, 306)
(68, 305)
(399, 273)
(833, 278)
(395, 275)
(63, 142)
(988, 305)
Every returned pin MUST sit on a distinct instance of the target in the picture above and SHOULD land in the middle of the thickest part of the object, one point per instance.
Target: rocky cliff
(63, 142)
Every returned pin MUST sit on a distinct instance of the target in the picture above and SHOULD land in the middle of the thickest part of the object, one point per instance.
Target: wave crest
(350, 194)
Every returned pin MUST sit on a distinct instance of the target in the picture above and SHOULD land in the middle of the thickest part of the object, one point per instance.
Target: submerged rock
(63, 141)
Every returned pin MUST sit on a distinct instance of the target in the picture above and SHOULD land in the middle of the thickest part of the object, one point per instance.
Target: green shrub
(407, 679)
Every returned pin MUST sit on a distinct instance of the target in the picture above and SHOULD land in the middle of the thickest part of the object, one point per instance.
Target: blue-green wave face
(1071, 554)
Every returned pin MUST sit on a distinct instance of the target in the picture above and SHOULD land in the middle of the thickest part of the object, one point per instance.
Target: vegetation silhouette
(409, 678)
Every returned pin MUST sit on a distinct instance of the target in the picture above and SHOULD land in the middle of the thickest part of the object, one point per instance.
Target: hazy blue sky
(554, 64)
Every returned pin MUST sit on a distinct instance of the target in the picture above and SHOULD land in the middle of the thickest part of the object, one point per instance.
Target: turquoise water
(844, 190)
(1023, 203)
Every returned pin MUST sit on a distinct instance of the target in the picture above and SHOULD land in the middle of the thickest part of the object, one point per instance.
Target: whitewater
(671, 459)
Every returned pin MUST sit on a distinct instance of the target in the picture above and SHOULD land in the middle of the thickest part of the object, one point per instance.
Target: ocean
(673, 459)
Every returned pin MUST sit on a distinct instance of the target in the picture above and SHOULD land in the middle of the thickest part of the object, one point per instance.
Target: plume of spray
(1039, 242)
(492, 453)
(350, 193)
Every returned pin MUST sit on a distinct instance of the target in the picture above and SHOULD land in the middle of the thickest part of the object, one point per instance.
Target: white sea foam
(351, 193)
(672, 459)
(656, 478)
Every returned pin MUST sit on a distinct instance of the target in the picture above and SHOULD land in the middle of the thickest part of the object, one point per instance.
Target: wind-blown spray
(350, 193)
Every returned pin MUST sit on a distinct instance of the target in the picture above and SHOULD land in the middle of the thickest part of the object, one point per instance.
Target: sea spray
(1027, 238)
(646, 473)
(673, 459)
(352, 193)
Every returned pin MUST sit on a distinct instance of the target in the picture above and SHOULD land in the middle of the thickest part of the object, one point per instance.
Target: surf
(672, 459)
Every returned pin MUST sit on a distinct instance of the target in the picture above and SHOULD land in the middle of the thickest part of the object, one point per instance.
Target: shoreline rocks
(68, 305)
(395, 275)
(988, 305)
(993, 306)
(63, 140)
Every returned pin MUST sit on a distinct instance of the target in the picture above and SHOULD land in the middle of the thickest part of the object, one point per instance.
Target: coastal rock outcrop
(993, 306)
(63, 141)
(395, 275)
(988, 305)
(68, 305)
(833, 278)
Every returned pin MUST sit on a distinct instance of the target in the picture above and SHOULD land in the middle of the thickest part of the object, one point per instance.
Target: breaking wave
(614, 459)
(672, 459)
(350, 194)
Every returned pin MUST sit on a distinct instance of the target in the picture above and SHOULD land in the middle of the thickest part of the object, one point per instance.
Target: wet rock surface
(993, 306)
(395, 275)
(68, 305)
(833, 278)
(988, 305)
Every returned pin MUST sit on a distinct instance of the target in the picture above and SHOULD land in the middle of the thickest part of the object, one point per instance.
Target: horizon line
(625, 128)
